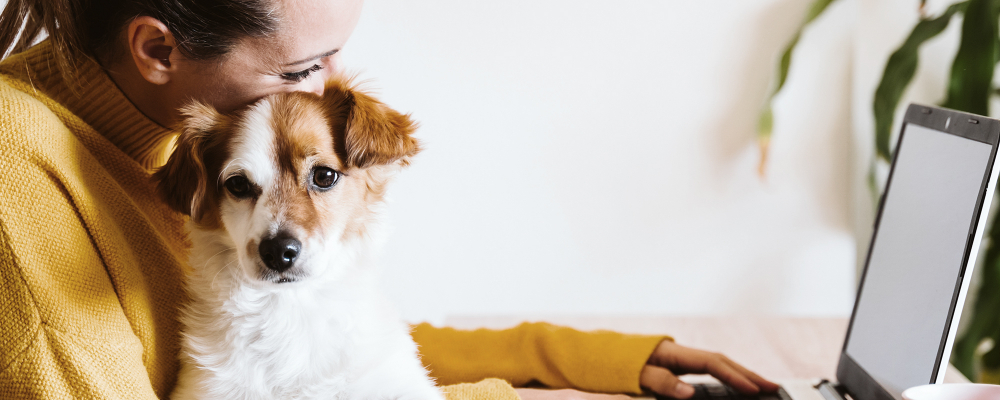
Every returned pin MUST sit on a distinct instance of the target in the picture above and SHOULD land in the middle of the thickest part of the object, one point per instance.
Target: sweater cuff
(624, 361)
(486, 389)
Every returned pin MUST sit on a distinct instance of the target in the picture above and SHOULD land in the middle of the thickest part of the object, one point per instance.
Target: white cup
(953, 391)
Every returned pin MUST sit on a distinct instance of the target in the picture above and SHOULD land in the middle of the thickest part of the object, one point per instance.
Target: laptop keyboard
(716, 391)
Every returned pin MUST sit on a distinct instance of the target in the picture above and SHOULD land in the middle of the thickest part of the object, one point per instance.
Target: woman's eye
(239, 186)
(325, 178)
(301, 75)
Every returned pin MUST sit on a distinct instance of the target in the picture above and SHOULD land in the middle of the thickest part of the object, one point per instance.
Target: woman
(91, 259)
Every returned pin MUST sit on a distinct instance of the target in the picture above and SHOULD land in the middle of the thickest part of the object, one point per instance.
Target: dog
(286, 201)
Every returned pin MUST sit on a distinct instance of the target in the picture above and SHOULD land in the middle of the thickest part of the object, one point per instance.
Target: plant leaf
(765, 123)
(972, 71)
(899, 72)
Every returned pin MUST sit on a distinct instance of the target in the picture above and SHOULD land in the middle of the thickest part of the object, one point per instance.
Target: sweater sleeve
(537, 353)
(39, 360)
(63, 333)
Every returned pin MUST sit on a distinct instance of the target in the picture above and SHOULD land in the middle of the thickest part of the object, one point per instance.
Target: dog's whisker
(224, 267)
(208, 262)
(216, 255)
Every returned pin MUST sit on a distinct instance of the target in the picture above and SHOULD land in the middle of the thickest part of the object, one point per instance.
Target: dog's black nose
(279, 253)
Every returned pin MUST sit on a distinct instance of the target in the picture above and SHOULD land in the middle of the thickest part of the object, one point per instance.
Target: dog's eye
(325, 178)
(239, 186)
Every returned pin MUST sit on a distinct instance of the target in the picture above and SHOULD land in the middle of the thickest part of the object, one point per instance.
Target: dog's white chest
(298, 346)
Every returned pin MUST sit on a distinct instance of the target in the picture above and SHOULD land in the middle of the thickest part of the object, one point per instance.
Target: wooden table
(778, 348)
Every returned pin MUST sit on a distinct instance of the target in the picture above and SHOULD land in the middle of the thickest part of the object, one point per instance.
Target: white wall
(598, 157)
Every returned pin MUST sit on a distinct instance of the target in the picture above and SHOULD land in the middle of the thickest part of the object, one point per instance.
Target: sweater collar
(96, 100)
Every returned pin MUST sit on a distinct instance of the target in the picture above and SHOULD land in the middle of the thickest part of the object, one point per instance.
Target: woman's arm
(537, 354)
(559, 357)
(43, 353)
(64, 327)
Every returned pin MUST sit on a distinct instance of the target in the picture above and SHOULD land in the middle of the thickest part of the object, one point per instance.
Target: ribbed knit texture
(91, 273)
(493, 389)
(93, 99)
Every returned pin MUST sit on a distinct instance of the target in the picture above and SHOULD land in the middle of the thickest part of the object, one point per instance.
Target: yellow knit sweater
(91, 266)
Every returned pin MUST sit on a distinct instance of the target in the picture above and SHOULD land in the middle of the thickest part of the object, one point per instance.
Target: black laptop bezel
(855, 380)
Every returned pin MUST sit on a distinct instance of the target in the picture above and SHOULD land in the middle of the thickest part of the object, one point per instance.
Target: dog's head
(290, 181)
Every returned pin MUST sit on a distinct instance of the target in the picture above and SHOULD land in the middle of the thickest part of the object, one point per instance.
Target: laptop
(928, 230)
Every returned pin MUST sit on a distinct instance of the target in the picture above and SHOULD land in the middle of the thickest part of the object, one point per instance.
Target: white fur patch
(253, 146)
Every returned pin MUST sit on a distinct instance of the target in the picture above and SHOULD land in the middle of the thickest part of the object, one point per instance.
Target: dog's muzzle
(279, 253)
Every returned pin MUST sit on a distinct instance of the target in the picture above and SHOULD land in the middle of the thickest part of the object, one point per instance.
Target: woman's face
(298, 57)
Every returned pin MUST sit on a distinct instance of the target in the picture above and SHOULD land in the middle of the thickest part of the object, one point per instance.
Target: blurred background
(600, 158)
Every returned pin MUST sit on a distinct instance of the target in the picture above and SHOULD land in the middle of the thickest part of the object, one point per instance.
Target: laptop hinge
(831, 391)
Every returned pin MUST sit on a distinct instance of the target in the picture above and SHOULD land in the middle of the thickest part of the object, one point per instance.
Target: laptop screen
(917, 255)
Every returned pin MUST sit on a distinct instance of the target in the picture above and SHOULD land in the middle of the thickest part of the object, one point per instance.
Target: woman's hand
(671, 359)
(566, 394)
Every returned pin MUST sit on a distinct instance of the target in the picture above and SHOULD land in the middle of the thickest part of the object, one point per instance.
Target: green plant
(969, 89)
(765, 123)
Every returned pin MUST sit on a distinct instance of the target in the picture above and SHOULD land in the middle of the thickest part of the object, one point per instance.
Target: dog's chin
(280, 279)
(265, 275)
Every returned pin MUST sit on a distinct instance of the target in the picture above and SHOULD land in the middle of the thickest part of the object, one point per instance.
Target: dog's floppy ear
(183, 182)
(374, 133)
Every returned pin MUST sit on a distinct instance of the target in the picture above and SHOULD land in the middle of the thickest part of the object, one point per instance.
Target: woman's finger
(682, 359)
(762, 383)
(720, 368)
(664, 382)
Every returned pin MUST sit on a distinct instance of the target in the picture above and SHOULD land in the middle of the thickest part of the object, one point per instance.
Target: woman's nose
(316, 85)
(332, 65)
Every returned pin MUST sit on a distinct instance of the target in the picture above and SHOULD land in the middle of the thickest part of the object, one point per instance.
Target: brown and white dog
(284, 200)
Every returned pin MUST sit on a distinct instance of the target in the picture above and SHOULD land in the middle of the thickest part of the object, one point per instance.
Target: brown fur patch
(187, 181)
(373, 133)
(252, 249)
(303, 140)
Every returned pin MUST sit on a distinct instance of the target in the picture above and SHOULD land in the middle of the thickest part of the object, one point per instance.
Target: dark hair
(204, 29)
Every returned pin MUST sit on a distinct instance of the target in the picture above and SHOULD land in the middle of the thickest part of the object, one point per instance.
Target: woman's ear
(153, 49)
(183, 182)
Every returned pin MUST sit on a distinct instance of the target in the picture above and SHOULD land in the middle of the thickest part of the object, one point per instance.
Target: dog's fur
(320, 329)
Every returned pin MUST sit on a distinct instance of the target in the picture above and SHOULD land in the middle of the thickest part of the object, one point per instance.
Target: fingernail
(683, 390)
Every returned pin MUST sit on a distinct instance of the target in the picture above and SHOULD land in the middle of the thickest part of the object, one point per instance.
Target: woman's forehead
(310, 29)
